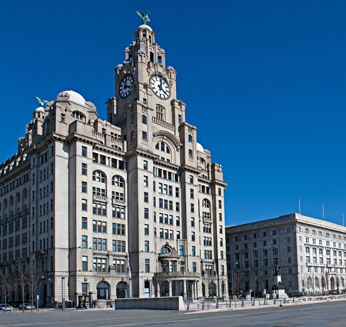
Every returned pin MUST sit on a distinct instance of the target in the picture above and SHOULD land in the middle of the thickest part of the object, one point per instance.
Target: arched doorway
(102, 289)
(332, 284)
(212, 289)
(203, 290)
(121, 290)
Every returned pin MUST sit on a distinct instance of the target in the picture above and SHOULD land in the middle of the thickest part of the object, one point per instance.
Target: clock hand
(160, 84)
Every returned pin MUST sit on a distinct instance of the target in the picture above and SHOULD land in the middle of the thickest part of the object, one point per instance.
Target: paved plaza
(315, 314)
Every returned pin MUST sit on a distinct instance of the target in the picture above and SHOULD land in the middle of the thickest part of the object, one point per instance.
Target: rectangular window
(192, 207)
(84, 151)
(181, 249)
(146, 246)
(84, 263)
(84, 241)
(84, 169)
(146, 197)
(145, 165)
(147, 265)
(146, 229)
(145, 181)
(191, 194)
(84, 205)
(84, 187)
(193, 252)
(144, 135)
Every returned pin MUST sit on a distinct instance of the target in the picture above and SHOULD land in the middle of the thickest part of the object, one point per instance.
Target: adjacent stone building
(131, 206)
(311, 254)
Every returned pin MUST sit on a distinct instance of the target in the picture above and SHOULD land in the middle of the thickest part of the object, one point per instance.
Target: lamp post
(232, 272)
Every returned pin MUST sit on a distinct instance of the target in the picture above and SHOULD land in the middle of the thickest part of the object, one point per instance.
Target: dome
(145, 26)
(199, 148)
(73, 96)
(39, 109)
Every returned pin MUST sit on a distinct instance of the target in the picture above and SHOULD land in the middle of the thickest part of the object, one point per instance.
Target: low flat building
(311, 254)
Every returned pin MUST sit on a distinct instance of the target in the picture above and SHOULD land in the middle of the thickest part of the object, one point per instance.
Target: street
(320, 314)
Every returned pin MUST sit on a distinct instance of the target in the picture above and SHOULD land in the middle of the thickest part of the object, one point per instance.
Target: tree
(35, 280)
(22, 275)
(6, 282)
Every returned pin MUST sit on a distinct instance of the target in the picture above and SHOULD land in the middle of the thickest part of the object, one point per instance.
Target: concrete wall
(157, 303)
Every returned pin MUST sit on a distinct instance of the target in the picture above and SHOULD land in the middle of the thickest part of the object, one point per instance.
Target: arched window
(205, 203)
(99, 176)
(11, 201)
(102, 291)
(117, 181)
(163, 147)
(17, 207)
(165, 249)
(121, 290)
(212, 289)
(78, 115)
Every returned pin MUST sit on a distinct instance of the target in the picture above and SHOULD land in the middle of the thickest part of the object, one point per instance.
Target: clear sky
(264, 82)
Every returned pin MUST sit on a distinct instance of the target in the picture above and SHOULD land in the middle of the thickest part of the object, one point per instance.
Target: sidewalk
(259, 303)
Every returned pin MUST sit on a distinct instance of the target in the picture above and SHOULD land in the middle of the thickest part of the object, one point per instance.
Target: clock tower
(174, 193)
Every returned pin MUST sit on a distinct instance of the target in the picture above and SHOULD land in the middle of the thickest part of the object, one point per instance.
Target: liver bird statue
(41, 102)
(145, 17)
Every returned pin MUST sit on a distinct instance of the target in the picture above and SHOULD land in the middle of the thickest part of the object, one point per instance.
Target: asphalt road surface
(321, 314)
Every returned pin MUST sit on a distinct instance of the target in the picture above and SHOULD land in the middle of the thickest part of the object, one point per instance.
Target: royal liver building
(128, 207)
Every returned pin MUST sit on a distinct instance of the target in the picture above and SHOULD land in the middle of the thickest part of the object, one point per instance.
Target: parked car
(6, 308)
(27, 306)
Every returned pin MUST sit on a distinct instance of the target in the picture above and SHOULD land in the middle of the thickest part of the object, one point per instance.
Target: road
(320, 314)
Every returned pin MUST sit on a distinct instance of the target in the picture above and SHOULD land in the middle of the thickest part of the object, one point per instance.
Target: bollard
(217, 303)
(203, 304)
(187, 305)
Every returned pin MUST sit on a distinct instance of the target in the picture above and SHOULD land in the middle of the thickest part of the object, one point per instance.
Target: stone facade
(128, 207)
(311, 254)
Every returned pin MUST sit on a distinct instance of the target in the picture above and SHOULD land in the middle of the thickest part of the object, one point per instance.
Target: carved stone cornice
(159, 162)
(142, 153)
(220, 183)
(189, 169)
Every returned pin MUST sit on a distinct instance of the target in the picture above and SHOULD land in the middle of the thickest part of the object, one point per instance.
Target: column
(170, 288)
(185, 289)
(197, 286)
(158, 289)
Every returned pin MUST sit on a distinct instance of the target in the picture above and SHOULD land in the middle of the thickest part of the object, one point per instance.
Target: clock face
(160, 87)
(125, 86)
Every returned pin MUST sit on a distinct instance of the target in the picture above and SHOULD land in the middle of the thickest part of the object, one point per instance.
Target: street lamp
(232, 272)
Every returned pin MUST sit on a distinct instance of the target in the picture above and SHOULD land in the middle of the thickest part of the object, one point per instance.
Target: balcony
(177, 274)
(100, 198)
(163, 123)
(118, 202)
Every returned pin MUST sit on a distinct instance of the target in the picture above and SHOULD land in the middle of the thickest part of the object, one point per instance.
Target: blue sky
(264, 82)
